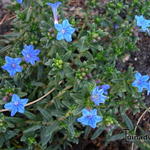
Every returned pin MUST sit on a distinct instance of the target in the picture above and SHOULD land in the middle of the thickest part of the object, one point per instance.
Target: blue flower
(16, 104)
(64, 31)
(30, 54)
(20, 1)
(140, 81)
(148, 87)
(105, 87)
(12, 65)
(97, 95)
(54, 7)
(143, 23)
(90, 118)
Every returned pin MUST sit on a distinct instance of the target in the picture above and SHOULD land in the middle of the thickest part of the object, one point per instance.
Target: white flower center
(16, 103)
(28, 56)
(63, 31)
(95, 97)
(13, 65)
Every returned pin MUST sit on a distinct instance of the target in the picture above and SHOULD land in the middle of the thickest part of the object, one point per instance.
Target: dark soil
(98, 144)
(5, 19)
(140, 60)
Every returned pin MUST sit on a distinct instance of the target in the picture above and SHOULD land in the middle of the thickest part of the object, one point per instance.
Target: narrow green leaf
(29, 14)
(44, 113)
(97, 133)
(33, 128)
(128, 121)
(116, 137)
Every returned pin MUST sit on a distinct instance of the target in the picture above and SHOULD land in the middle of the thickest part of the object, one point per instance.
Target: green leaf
(47, 132)
(29, 12)
(44, 113)
(142, 145)
(128, 121)
(116, 137)
(32, 129)
(5, 50)
(87, 131)
(30, 115)
(40, 3)
(97, 133)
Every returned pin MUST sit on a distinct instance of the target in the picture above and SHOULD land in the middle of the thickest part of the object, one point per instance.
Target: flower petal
(15, 98)
(68, 37)
(85, 112)
(21, 108)
(60, 36)
(70, 30)
(8, 106)
(20, 1)
(13, 111)
(24, 101)
(66, 23)
(58, 27)
(8, 59)
(19, 69)
(145, 77)
(137, 75)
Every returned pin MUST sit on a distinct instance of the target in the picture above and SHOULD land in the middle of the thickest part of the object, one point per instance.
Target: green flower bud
(83, 74)
(60, 62)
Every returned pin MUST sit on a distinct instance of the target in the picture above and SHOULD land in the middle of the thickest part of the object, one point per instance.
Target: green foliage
(96, 47)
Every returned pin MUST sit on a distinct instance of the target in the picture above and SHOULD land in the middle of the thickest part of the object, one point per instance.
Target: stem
(132, 146)
(37, 100)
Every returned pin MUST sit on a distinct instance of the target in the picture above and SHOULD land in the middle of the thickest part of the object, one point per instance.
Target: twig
(59, 94)
(132, 146)
(3, 19)
(37, 100)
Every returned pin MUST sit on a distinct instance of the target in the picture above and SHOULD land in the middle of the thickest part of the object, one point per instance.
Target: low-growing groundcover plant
(59, 80)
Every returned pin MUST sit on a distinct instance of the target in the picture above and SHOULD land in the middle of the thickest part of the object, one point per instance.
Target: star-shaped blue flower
(97, 95)
(89, 118)
(143, 23)
(65, 31)
(105, 87)
(20, 1)
(12, 65)
(54, 7)
(16, 104)
(30, 54)
(140, 81)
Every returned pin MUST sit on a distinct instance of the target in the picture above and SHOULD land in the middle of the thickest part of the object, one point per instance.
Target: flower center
(89, 116)
(139, 82)
(63, 31)
(28, 56)
(95, 96)
(13, 65)
(16, 103)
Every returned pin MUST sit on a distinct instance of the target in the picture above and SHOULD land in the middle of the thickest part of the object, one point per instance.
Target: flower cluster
(12, 65)
(142, 82)
(65, 30)
(90, 116)
(143, 23)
